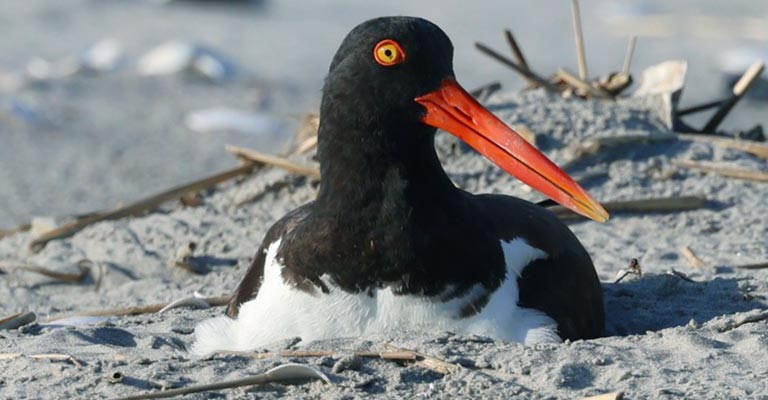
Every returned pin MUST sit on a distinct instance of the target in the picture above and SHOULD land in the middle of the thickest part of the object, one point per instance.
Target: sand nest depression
(692, 326)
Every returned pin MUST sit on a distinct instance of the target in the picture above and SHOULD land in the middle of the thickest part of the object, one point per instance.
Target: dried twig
(719, 169)
(82, 266)
(526, 73)
(582, 85)
(739, 89)
(137, 310)
(763, 265)
(692, 258)
(139, 207)
(661, 204)
(429, 362)
(758, 149)
(275, 161)
(283, 373)
(59, 357)
(519, 57)
(579, 37)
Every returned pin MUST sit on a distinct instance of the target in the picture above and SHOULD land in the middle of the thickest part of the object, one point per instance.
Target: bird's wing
(249, 286)
(564, 285)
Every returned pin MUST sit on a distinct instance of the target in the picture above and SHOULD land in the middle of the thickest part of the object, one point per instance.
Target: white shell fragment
(177, 56)
(196, 301)
(103, 56)
(291, 372)
(223, 119)
(77, 321)
(666, 80)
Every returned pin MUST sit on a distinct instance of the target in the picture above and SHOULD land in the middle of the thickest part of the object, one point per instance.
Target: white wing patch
(281, 311)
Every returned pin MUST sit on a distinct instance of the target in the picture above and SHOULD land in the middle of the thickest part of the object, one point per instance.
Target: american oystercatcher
(391, 243)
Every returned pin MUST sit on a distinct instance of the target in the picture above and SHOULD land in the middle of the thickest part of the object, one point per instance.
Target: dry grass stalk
(578, 35)
(629, 55)
(526, 73)
(275, 161)
(661, 204)
(606, 396)
(141, 206)
(719, 169)
(307, 145)
(580, 85)
(758, 149)
(217, 301)
(83, 271)
(519, 57)
(692, 258)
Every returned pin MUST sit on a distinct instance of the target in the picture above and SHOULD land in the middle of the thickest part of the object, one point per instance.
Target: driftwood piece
(275, 161)
(692, 258)
(661, 204)
(217, 301)
(739, 89)
(139, 207)
(526, 73)
(286, 373)
(758, 149)
(719, 169)
(581, 85)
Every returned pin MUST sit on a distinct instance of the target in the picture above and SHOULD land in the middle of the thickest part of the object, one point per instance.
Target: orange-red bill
(454, 110)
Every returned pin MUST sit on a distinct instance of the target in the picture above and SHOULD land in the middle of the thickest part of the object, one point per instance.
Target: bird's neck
(358, 176)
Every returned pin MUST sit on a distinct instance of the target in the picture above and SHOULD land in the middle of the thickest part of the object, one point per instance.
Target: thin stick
(739, 89)
(630, 53)
(275, 161)
(763, 265)
(60, 357)
(429, 362)
(139, 207)
(235, 383)
(582, 85)
(700, 107)
(307, 145)
(217, 301)
(719, 169)
(384, 355)
(758, 149)
(519, 57)
(662, 204)
(526, 73)
(692, 258)
(579, 36)
(84, 271)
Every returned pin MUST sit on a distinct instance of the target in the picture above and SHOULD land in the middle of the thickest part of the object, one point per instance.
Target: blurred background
(108, 101)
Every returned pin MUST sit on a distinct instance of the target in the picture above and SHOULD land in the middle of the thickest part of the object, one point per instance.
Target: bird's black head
(380, 68)
(391, 83)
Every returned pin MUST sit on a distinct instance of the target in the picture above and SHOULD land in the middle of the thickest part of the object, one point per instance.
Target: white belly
(281, 311)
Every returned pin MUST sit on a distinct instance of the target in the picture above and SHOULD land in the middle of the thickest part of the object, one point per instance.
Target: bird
(390, 243)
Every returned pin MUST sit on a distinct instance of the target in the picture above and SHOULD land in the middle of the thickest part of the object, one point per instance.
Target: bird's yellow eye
(388, 53)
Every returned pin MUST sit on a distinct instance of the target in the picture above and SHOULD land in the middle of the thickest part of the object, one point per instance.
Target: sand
(666, 336)
(119, 136)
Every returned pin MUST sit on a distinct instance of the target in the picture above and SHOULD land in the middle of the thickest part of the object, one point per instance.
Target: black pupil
(388, 53)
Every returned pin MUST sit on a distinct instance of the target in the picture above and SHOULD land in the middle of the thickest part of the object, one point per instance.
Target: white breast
(281, 311)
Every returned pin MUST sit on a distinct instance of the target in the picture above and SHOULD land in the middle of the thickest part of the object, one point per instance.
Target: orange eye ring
(388, 53)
